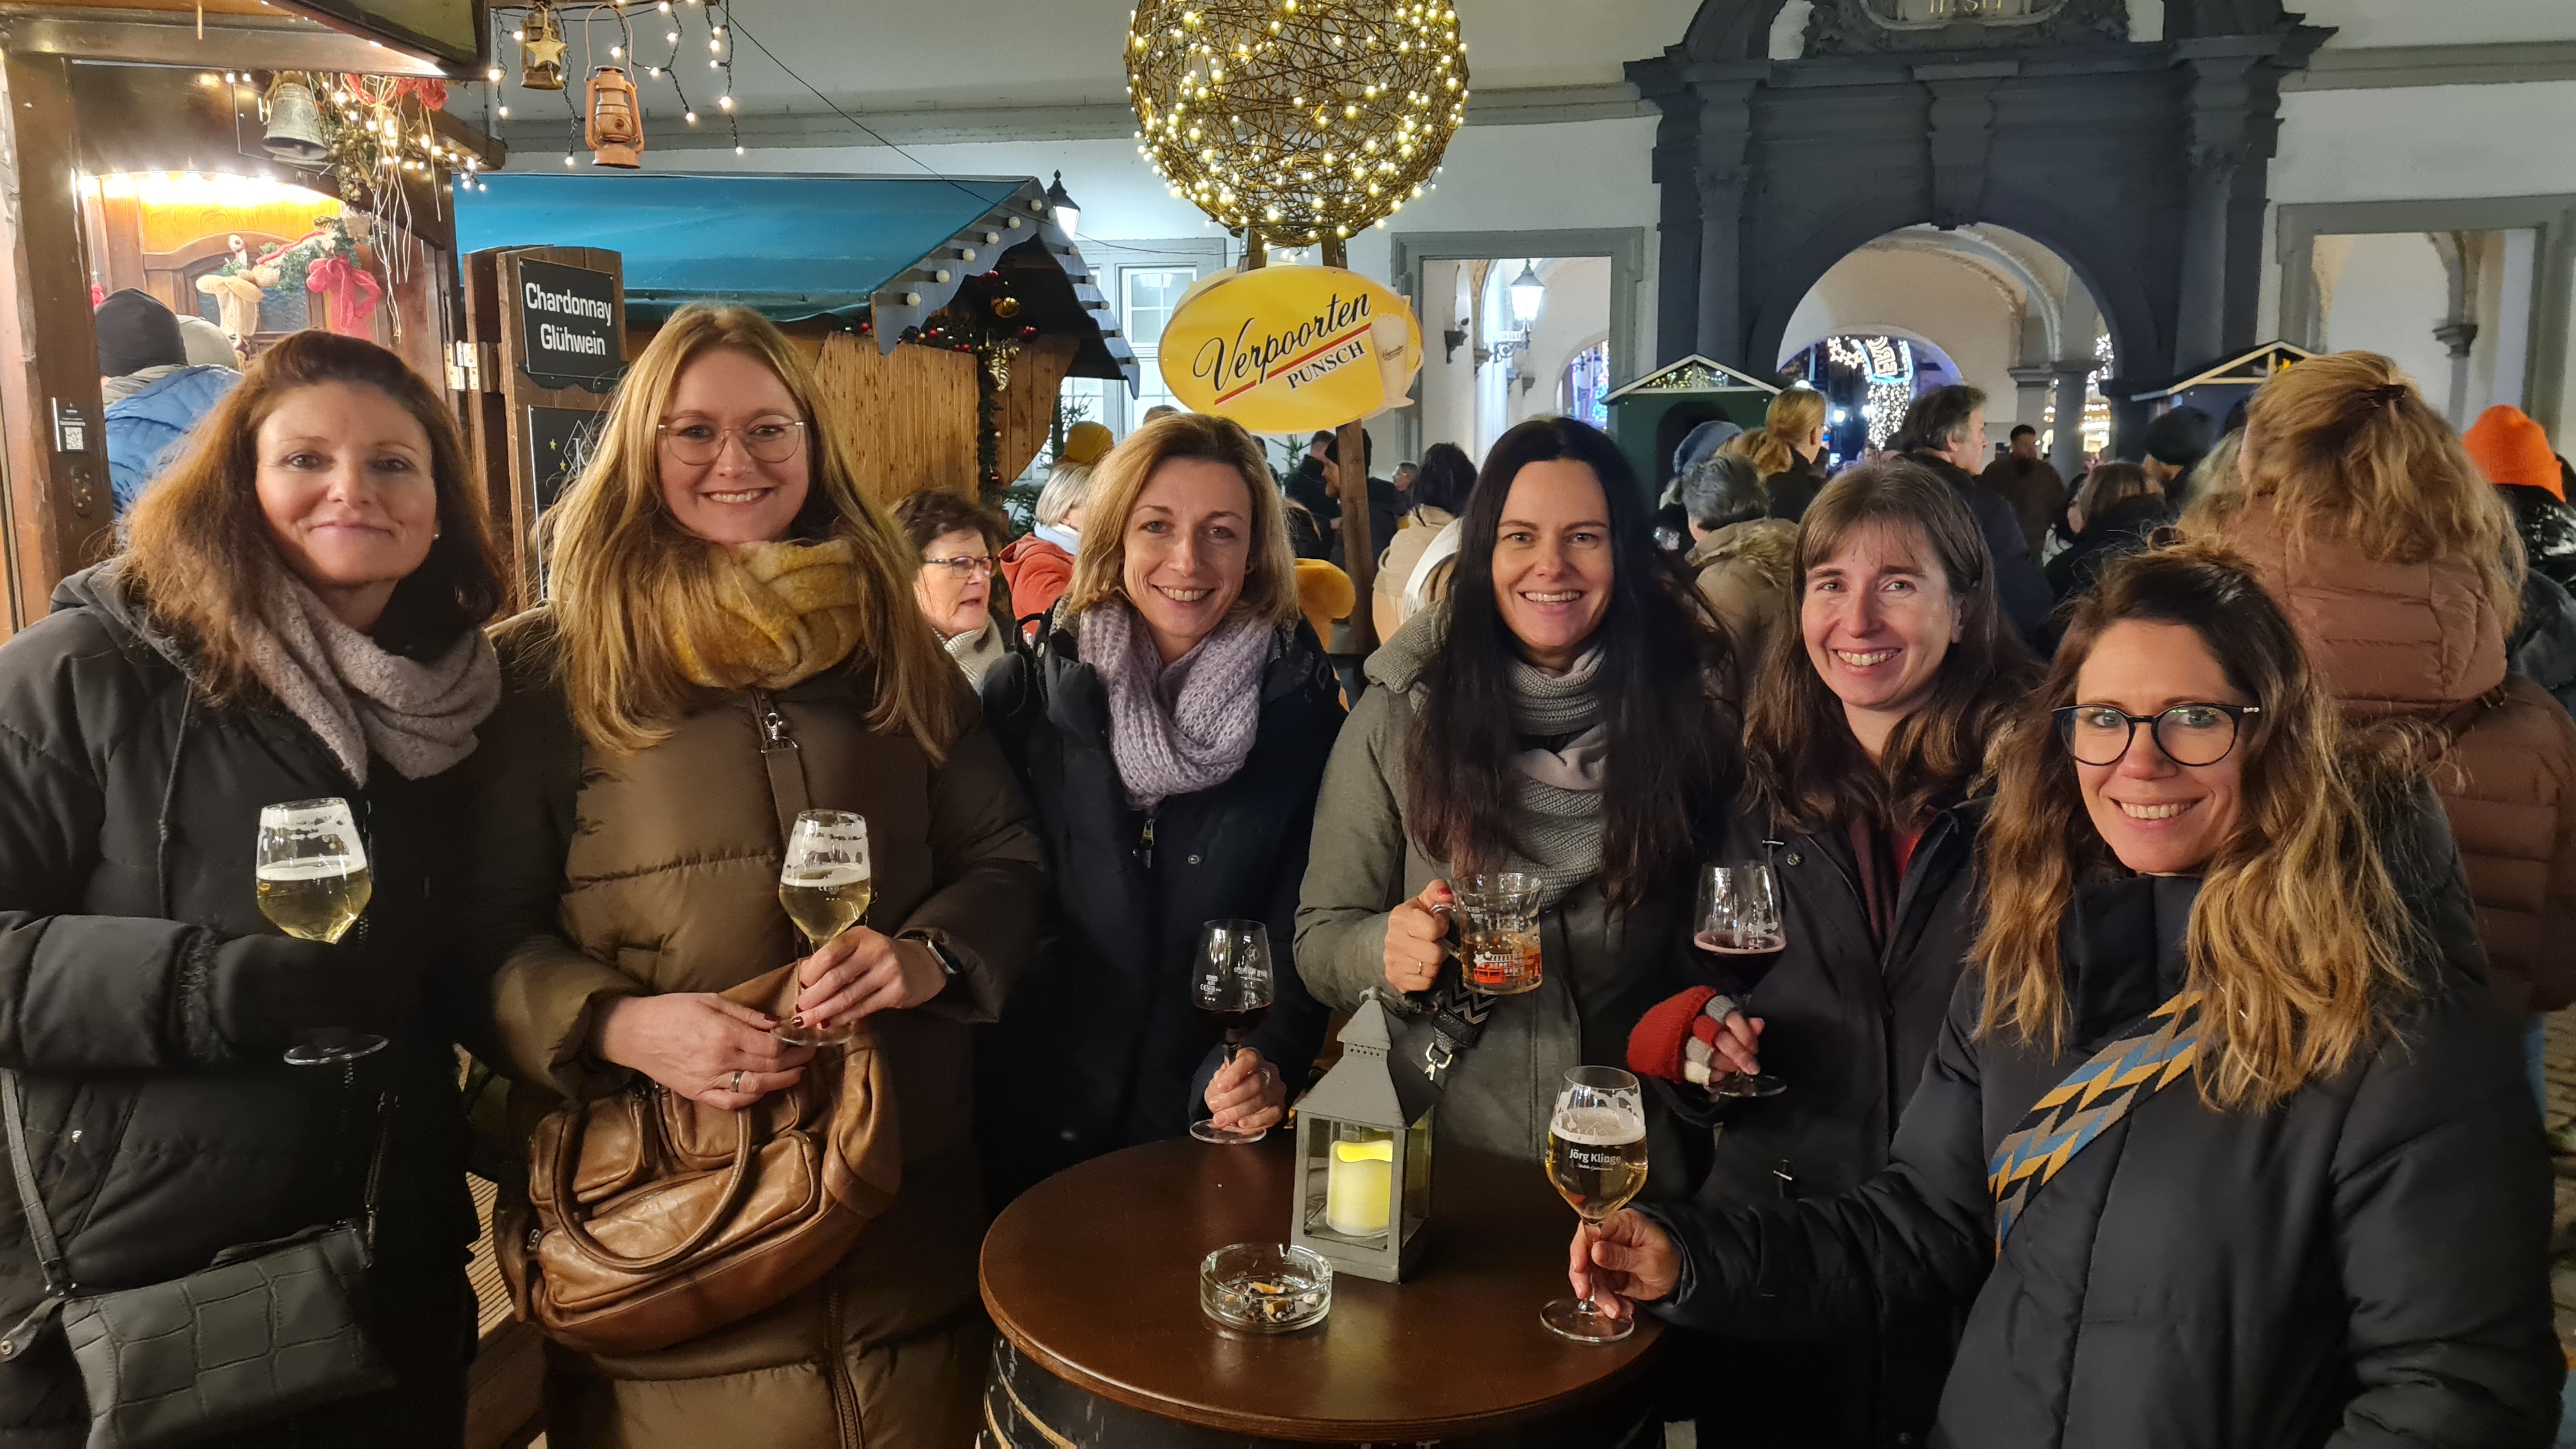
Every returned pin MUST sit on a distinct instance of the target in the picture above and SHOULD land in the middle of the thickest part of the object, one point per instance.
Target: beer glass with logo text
(310, 871)
(1497, 922)
(825, 883)
(1596, 1160)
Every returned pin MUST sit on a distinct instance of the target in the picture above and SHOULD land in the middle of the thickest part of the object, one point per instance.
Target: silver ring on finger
(737, 1081)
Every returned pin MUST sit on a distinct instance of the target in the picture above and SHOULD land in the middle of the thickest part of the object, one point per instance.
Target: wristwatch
(947, 959)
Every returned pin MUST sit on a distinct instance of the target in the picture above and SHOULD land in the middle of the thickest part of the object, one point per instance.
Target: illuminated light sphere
(1246, 105)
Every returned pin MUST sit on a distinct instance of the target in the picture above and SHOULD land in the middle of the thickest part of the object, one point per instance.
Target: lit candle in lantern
(1357, 1184)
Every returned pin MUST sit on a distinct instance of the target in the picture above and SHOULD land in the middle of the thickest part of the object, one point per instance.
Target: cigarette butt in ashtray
(1392, 340)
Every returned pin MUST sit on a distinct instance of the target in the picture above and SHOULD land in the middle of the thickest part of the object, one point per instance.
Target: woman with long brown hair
(2223, 1143)
(732, 635)
(298, 613)
(2402, 571)
(1893, 669)
(1556, 716)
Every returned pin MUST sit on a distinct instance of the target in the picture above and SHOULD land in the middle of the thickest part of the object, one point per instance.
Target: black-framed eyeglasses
(697, 442)
(2189, 734)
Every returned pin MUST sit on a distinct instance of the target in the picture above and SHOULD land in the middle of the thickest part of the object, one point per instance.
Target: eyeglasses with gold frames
(698, 442)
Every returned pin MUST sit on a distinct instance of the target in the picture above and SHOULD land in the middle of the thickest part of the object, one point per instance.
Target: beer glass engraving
(1596, 1161)
(1496, 915)
(825, 884)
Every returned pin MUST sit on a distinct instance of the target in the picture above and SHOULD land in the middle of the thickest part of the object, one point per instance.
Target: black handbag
(263, 1331)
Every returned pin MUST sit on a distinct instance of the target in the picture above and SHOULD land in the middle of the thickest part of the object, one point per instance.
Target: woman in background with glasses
(2223, 1143)
(1172, 727)
(1868, 727)
(955, 586)
(727, 608)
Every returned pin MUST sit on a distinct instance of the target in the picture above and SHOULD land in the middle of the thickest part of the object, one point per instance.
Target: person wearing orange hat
(2515, 455)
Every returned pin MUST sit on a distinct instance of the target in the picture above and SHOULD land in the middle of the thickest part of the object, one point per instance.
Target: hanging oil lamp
(541, 49)
(614, 128)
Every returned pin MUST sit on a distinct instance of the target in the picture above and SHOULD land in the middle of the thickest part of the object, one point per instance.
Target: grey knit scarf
(1182, 727)
(1555, 809)
(418, 717)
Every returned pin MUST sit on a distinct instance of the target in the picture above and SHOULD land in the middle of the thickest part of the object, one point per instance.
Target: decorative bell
(294, 123)
(614, 130)
(541, 49)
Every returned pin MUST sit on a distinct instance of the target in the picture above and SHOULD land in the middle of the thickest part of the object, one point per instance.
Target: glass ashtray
(1266, 1287)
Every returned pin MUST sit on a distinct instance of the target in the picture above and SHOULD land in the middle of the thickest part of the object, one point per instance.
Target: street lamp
(1067, 215)
(1528, 292)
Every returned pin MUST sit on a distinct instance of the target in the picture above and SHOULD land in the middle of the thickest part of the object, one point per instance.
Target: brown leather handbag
(658, 1218)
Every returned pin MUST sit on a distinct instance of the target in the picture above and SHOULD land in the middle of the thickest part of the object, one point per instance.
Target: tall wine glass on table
(310, 872)
(826, 884)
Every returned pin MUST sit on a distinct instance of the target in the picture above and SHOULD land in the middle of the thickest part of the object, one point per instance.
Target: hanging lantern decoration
(1363, 1175)
(294, 122)
(541, 49)
(1298, 121)
(614, 130)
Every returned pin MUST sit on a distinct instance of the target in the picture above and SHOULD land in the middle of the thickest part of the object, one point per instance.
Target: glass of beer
(1497, 915)
(310, 870)
(1232, 988)
(825, 883)
(1596, 1158)
(1738, 921)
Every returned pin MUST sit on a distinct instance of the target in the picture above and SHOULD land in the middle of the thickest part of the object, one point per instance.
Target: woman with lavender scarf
(1171, 726)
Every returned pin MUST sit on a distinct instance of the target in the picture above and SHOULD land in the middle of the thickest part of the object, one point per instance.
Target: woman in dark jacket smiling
(298, 615)
(2220, 1147)
(1866, 728)
(1172, 729)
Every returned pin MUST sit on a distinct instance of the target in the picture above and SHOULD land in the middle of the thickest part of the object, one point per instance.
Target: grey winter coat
(1604, 966)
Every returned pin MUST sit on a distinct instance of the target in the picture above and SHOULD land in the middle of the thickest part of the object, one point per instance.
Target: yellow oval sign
(1291, 349)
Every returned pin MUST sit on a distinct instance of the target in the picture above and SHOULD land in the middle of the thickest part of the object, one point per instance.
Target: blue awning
(796, 247)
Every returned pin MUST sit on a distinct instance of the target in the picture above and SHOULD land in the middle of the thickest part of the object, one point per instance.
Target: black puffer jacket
(2021, 587)
(2543, 646)
(2548, 530)
(140, 993)
(2365, 1265)
(1099, 1047)
(1848, 1021)
(2122, 530)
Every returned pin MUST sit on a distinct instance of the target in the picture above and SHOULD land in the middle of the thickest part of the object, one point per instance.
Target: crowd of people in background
(2174, 866)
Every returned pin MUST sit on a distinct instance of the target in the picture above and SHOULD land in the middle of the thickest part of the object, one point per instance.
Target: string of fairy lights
(541, 32)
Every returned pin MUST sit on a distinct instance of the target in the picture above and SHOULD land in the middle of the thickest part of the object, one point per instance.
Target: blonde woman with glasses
(724, 598)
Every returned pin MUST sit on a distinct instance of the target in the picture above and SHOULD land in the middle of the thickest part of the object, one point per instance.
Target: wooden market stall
(144, 152)
(942, 313)
(1650, 417)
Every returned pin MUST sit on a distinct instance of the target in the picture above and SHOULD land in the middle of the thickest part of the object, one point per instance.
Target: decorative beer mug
(1497, 923)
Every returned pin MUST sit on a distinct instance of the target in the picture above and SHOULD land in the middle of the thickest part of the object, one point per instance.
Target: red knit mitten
(1657, 1047)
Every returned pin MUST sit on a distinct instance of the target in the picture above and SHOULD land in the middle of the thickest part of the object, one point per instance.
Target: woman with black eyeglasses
(954, 539)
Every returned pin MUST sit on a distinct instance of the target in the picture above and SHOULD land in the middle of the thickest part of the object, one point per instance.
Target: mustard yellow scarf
(790, 611)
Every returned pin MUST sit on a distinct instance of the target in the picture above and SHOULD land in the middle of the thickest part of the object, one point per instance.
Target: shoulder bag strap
(2152, 1053)
(40, 1225)
(785, 762)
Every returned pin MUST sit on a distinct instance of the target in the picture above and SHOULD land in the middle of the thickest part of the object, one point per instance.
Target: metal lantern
(294, 123)
(1363, 1179)
(541, 49)
(615, 129)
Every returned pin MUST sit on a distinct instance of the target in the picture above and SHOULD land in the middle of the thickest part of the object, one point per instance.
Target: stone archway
(2141, 163)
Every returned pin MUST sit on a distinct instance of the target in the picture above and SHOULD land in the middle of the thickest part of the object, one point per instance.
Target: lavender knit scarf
(1183, 727)
(418, 717)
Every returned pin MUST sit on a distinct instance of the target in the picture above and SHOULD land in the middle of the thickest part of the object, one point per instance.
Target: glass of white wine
(311, 874)
(825, 884)
(1596, 1159)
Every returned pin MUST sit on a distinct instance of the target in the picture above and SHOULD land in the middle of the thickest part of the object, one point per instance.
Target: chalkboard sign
(559, 442)
(568, 325)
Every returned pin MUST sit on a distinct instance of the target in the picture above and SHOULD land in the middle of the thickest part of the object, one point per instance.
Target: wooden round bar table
(1092, 1278)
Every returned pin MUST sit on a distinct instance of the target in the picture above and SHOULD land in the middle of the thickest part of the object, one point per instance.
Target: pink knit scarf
(1182, 727)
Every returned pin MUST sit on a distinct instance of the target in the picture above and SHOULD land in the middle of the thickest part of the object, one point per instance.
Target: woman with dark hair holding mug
(1555, 717)
(298, 613)
(2222, 1142)
(1867, 731)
